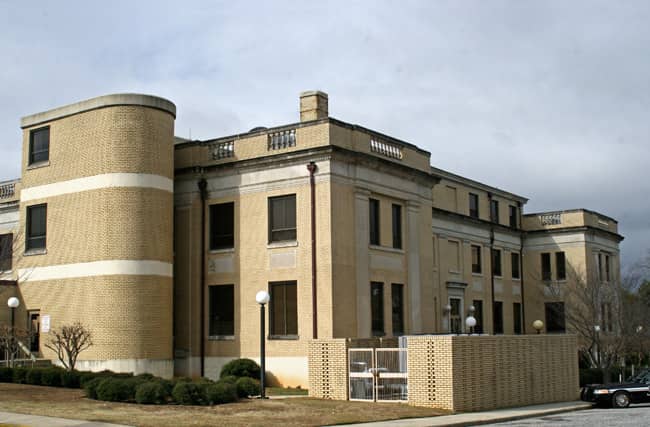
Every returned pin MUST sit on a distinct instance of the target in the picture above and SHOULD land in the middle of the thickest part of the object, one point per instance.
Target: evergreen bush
(6, 375)
(221, 392)
(247, 386)
(241, 368)
(150, 392)
(187, 393)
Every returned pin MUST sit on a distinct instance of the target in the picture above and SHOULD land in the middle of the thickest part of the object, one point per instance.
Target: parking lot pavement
(635, 415)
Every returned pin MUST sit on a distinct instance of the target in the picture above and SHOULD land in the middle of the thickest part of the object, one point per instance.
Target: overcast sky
(546, 99)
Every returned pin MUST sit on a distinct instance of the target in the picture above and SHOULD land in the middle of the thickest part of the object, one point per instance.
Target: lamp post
(470, 322)
(262, 298)
(597, 335)
(13, 304)
(447, 312)
(538, 325)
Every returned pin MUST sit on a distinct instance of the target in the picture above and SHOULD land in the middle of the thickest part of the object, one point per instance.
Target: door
(34, 331)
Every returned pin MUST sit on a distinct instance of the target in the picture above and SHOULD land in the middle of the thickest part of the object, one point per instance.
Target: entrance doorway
(34, 331)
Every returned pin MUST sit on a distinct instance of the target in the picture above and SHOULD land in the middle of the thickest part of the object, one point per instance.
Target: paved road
(635, 415)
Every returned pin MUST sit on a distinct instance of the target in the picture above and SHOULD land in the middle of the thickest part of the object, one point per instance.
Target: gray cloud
(546, 99)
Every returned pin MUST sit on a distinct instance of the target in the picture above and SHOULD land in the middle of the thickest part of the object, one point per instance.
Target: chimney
(313, 105)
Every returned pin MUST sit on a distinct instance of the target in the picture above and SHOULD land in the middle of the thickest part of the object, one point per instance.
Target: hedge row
(236, 382)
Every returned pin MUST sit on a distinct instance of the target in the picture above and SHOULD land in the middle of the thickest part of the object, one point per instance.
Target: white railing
(222, 150)
(386, 149)
(7, 190)
(282, 139)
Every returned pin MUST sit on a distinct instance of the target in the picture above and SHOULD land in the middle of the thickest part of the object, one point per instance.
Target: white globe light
(262, 297)
(538, 325)
(597, 328)
(13, 302)
(470, 321)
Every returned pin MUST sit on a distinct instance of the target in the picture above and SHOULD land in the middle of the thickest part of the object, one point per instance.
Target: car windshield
(642, 377)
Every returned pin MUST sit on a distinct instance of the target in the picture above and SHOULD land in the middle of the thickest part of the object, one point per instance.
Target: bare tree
(10, 342)
(68, 341)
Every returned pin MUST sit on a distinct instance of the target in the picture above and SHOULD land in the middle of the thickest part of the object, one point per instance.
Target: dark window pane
(374, 221)
(36, 227)
(546, 266)
(6, 251)
(560, 265)
(498, 317)
(607, 268)
(222, 226)
(476, 259)
(282, 218)
(478, 315)
(494, 211)
(283, 309)
(513, 216)
(473, 205)
(455, 316)
(496, 262)
(377, 308)
(516, 315)
(397, 226)
(39, 145)
(397, 296)
(514, 262)
(555, 317)
(222, 310)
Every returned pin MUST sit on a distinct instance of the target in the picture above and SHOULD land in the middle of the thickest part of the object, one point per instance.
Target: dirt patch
(300, 411)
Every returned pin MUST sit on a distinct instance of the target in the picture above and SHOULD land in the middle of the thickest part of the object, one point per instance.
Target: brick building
(159, 244)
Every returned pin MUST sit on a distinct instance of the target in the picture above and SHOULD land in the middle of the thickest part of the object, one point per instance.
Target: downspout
(521, 269)
(311, 167)
(491, 261)
(203, 190)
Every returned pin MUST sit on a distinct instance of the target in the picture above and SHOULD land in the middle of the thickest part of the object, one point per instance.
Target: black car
(619, 395)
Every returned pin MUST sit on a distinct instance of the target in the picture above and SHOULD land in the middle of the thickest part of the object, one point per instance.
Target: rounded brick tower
(96, 210)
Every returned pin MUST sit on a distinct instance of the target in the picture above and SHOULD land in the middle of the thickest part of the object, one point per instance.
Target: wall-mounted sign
(45, 323)
(551, 219)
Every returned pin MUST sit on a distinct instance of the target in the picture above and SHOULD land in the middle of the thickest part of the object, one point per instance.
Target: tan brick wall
(328, 369)
(430, 374)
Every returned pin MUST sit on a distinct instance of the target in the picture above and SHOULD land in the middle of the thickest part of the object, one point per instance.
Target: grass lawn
(296, 411)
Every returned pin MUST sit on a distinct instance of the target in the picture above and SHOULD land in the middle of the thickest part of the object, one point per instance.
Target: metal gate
(378, 374)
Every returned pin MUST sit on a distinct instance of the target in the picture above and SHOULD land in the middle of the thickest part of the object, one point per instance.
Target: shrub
(150, 392)
(221, 392)
(168, 386)
(187, 393)
(241, 368)
(229, 379)
(6, 375)
(116, 389)
(19, 375)
(51, 377)
(71, 379)
(145, 377)
(33, 376)
(247, 387)
(90, 386)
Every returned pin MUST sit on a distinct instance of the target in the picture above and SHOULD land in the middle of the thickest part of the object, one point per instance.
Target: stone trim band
(97, 268)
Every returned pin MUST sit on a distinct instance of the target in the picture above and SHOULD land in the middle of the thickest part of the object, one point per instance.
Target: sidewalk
(21, 420)
(487, 417)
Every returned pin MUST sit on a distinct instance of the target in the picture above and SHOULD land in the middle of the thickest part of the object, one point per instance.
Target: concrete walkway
(20, 420)
(487, 417)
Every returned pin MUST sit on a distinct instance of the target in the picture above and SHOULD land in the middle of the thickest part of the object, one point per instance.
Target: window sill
(454, 271)
(500, 277)
(387, 249)
(32, 252)
(516, 279)
(477, 274)
(221, 338)
(283, 337)
(285, 244)
(222, 251)
(38, 165)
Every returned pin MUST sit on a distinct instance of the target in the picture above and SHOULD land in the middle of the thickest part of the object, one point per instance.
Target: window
(546, 266)
(473, 205)
(455, 316)
(606, 317)
(282, 218)
(496, 262)
(607, 267)
(514, 264)
(476, 259)
(397, 226)
(560, 265)
(494, 211)
(555, 317)
(600, 266)
(222, 310)
(36, 227)
(222, 226)
(478, 315)
(374, 221)
(6, 251)
(397, 297)
(453, 248)
(283, 310)
(516, 316)
(377, 308)
(513, 216)
(39, 145)
(498, 317)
